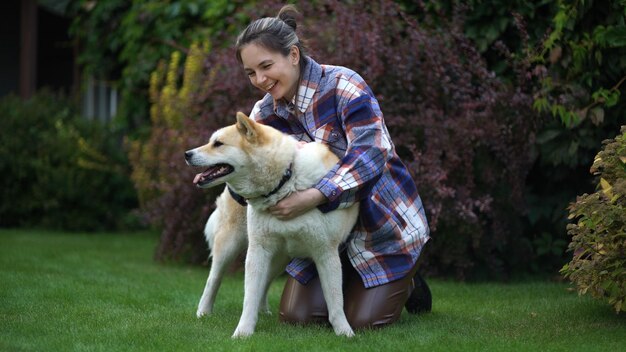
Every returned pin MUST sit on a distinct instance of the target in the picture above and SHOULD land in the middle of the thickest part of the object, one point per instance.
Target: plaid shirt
(336, 107)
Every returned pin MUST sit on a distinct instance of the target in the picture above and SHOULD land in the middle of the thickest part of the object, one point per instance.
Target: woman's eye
(250, 74)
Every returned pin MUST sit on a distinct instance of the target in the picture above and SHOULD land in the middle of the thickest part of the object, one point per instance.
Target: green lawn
(104, 292)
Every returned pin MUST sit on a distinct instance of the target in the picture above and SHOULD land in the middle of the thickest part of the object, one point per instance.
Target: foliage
(208, 95)
(158, 168)
(543, 40)
(579, 69)
(583, 62)
(60, 171)
(488, 22)
(599, 229)
(464, 134)
(124, 40)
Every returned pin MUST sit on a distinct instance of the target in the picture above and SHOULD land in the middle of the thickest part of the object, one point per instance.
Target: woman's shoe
(420, 300)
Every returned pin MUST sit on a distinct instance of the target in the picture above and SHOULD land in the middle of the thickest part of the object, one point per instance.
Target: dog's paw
(347, 332)
(202, 312)
(242, 332)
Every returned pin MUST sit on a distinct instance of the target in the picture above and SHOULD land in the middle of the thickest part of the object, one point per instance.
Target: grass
(104, 292)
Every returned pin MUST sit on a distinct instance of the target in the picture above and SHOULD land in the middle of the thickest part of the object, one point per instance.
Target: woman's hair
(277, 34)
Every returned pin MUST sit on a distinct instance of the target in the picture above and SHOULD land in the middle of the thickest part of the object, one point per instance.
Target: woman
(335, 106)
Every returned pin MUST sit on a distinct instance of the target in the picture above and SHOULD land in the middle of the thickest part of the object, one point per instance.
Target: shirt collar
(308, 86)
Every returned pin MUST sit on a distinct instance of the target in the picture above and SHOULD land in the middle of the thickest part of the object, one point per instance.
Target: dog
(263, 165)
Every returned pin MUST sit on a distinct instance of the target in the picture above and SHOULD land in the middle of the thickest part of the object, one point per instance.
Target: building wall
(9, 46)
(55, 52)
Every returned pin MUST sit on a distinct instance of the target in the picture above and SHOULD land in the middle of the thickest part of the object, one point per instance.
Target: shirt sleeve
(369, 149)
(256, 110)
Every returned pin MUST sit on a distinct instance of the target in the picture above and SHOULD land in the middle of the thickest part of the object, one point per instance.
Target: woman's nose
(260, 79)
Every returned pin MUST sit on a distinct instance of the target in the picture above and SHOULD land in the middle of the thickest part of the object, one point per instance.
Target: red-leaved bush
(464, 134)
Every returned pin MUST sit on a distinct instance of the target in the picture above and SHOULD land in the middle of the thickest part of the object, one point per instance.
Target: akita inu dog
(264, 166)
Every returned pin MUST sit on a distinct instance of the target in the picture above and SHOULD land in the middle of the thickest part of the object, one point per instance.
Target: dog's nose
(188, 155)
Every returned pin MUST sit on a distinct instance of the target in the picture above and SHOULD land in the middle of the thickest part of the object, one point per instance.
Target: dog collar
(239, 199)
(286, 177)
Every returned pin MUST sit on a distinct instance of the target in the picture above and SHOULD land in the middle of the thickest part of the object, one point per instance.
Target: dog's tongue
(213, 172)
(201, 176)
(198, 178)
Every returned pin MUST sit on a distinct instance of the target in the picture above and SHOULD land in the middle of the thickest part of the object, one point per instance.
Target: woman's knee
(303, 304)
(377, 306)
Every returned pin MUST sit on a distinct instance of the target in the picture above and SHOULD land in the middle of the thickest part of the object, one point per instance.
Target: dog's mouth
(212, 173)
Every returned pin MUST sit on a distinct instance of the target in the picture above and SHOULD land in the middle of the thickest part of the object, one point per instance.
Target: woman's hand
(297, 204)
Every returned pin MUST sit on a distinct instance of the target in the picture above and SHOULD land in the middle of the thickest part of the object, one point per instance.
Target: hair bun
(288, 15)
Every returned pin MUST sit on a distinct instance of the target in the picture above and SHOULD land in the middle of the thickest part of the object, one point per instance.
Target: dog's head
(230, 151)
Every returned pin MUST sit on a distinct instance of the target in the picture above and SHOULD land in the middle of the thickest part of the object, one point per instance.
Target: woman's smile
(269, 87)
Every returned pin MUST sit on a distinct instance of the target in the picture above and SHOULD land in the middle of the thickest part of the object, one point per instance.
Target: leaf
(582, 114)
(612, 98)
(548, 135)
(607, 189)
(193, 8)
(597, 116)
(615, 198)
(573, 148)
(615, 36)
(599, 35)
(541, 104)
(597, 159)
(555, 54)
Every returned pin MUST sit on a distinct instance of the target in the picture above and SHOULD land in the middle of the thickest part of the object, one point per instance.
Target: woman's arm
(369, 149)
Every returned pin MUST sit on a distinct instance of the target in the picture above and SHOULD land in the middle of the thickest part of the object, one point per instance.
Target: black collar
(239, 199)
(286, 177)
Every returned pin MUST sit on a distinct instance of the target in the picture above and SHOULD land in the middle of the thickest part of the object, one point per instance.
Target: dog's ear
(247, 128)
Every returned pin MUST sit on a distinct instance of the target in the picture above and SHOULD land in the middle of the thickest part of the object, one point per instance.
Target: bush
(465, 135)
(599, 232)
(59, 171)
(582, 59)
(580, 69)
(574, 51)
(167, 196)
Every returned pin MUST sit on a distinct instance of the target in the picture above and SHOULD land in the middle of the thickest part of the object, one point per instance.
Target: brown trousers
(364, 307)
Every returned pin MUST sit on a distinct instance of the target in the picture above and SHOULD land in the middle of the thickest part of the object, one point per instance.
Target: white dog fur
(252, 159)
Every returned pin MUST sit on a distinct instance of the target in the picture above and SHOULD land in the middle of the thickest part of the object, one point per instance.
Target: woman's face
(272, 72)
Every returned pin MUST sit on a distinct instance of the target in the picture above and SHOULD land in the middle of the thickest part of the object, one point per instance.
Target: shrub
(60, 171)
(580, 69)
(598, 234)
(464, 134)
(162, 179)
(583, 61)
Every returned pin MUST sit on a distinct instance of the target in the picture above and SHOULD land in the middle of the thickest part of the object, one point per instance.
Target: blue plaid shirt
(335, 106)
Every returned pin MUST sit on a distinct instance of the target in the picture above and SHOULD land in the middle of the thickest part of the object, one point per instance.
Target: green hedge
(599, 231)
(59, 170)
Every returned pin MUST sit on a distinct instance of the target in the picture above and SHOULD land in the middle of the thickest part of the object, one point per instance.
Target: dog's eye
(217, 144)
